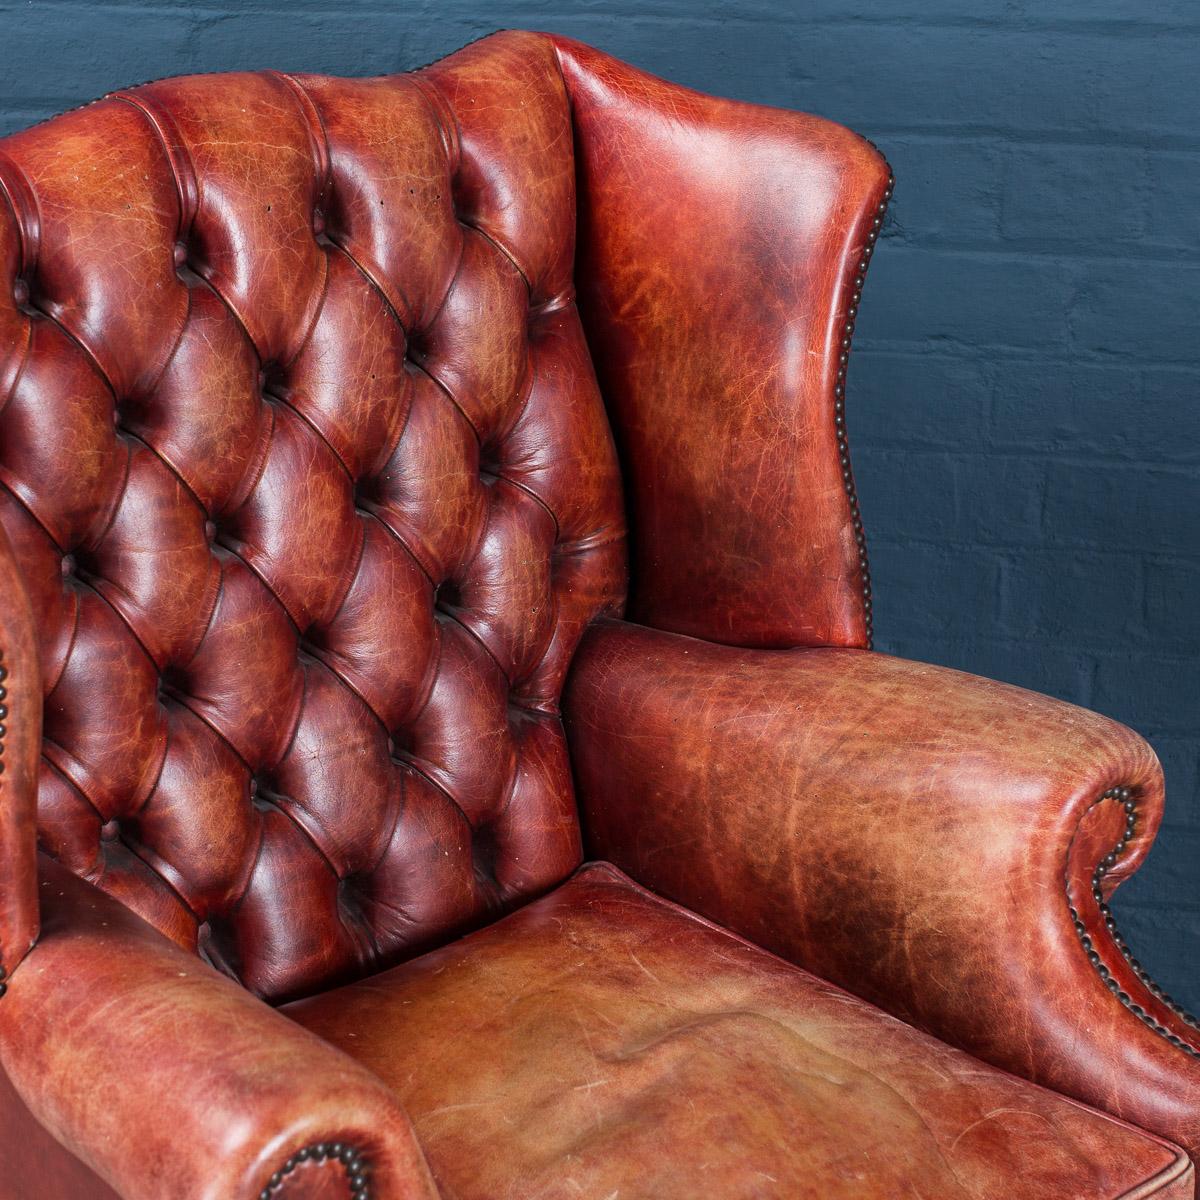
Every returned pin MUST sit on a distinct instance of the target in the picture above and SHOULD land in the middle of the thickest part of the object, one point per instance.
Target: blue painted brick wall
(1026, 382)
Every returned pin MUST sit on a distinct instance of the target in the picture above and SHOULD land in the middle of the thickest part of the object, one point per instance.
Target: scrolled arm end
(1103, 852)
(943, 845)
(167, 1079)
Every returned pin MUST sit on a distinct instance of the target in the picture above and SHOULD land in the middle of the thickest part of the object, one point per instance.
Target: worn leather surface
(718, 245)
(169, 1080)
(34, 1163)
(607, 1043)
(306, 472)
(306, 480)
(906, 831)
(20, 746)
(36, 1167)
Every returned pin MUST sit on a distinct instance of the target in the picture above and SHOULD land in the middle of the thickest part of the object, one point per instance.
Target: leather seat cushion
(602, 1042)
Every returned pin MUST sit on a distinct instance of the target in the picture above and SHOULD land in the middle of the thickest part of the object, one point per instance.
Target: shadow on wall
(1025, 388)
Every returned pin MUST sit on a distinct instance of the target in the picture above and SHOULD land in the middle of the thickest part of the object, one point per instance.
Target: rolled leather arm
(169, 1080)
(20, 749)
(940, 844)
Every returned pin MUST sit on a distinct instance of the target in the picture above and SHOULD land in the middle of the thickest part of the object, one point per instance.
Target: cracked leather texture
(716, 306)
(20, 745)
(305, 469)
(906, 831)
(308, 495)
(617, 1045)
(170, 1080)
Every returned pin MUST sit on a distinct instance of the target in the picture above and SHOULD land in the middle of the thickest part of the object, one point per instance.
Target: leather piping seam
(1124, 796)
(351, 1159)
(839, 399)
(3, 731)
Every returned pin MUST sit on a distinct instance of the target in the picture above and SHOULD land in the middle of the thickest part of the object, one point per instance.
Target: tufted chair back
(304, 465)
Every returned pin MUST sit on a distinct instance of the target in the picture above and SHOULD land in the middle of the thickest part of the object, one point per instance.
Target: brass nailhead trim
(351, 1159)
(1125, 796)
(839, 400)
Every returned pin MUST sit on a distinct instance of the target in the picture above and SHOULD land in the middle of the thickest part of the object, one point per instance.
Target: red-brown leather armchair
(319, 493)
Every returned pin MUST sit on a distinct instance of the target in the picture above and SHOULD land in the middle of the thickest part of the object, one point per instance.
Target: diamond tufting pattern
(305, 466)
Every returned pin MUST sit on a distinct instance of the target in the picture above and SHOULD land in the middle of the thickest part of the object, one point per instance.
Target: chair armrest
(20, 751)
(168, 1079)
(937, 843)
(722, 249)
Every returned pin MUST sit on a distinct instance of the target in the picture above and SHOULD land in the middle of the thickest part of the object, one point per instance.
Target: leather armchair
(413, 487)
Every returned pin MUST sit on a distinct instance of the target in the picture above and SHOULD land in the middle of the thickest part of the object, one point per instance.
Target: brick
(987, 498)
(932, 592)
(1148, 690)
(384, 41)
(1172, 214)
(1085, 598)
(1118, 507)
(1000, 498)
(1149, 312)
(1180, 758)
(88, 51)
(1062, 194)
(1085, 83)
(1177, 13)
(816, 12)
(745, 60)
(1115, 410)
(1172, 595)
(946, 188)
(906, 495)
(917, 400)
(969, 300)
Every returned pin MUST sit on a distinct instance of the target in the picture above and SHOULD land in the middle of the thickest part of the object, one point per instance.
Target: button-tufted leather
(305, 467)
(308, 499)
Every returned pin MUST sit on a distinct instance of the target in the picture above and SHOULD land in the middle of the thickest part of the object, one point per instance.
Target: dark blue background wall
(1026, 382)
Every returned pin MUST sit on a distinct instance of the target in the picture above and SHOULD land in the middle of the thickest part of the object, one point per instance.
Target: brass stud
(320, 1152)
(1124, 795)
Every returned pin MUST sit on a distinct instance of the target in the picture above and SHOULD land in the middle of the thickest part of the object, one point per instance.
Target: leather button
(273, 389)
